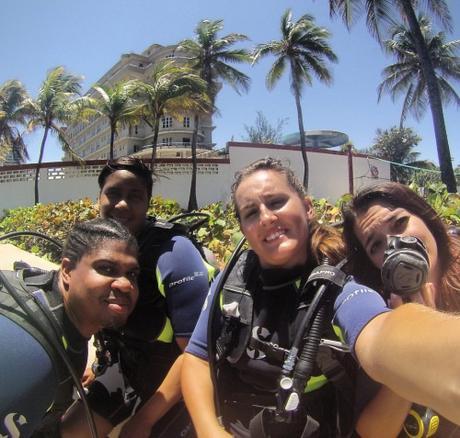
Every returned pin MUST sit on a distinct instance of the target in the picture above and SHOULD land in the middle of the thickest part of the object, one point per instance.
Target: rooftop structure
(91, 140)
(321, 138)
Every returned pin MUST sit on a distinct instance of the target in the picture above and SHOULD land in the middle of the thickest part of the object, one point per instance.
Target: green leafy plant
(220, 233)
(54, 220)
(446, 204)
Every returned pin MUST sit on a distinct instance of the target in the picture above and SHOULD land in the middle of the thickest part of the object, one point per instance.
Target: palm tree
(117, 103)
(52, 108)
(13, 113)
(406, 75)
(172, 90)
(304, 48)
(208, 55)
(380, 13)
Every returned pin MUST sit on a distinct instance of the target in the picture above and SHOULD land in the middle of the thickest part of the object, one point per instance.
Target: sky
(89, 36)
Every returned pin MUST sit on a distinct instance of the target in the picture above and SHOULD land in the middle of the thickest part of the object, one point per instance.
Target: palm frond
(407, 76)
(64, 142)
(275, 72)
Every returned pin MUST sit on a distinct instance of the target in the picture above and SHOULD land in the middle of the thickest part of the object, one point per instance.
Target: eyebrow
(389, 216)
(246, 206)
(371, 235)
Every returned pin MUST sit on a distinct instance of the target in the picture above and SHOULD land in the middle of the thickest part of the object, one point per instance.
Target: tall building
(91, 140)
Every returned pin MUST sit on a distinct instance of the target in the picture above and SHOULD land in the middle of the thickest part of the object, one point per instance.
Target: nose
(267, 216)
(123, 284)
(121, 203)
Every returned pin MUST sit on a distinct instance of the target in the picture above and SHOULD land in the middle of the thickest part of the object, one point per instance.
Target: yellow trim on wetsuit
(315, 382)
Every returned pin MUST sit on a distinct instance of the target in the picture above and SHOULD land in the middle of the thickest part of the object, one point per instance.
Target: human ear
(309, 207)
(66, 270)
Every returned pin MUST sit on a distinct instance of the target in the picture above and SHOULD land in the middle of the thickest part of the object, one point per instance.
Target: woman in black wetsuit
(374, 214)
(287, 243)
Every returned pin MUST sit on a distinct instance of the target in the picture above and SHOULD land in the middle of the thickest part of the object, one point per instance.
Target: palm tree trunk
(156, 129)
(192, 202)
(303, 147)
(112, 140)
(442, 143)
(40, 158)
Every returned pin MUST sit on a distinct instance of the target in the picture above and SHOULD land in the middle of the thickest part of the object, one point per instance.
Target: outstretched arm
(413, 350)
(383, 416)
(199, 397)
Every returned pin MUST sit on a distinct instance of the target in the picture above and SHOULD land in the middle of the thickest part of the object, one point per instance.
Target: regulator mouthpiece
(405, 265)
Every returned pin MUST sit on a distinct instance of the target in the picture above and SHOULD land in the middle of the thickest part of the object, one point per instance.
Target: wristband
(354, 307)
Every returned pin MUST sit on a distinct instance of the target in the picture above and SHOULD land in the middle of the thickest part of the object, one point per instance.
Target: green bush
(447, 205)
(220, 234)
(55, 220)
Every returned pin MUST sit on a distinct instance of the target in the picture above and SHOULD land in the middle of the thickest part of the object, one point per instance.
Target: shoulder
(178, 249)
(29, 379)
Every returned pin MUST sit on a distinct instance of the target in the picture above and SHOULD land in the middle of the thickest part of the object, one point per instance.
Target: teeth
(274, 235)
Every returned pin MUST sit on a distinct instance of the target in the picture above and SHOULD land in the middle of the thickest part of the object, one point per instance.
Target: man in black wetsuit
(95, 288)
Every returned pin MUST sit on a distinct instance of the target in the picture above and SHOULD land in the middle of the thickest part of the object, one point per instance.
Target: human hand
(88, 377)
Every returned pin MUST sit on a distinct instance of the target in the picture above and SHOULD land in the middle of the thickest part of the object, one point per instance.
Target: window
(166, 122)
(135, 130)
(186, 141)
(166, 141)
(186, 122)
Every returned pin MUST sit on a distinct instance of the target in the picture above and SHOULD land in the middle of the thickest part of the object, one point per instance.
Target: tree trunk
(303, 147)
(156, 129)
(192, 202)
(40, 158)
(112, 140)
(434, 96)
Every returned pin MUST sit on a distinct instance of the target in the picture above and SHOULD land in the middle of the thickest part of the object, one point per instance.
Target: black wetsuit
(252, 381)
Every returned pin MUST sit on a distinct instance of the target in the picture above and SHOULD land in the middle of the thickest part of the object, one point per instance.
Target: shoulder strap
(237, 308)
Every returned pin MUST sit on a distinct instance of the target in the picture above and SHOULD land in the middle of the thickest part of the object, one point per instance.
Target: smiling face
(124, 198)
(274, 219)
(380, 220)
(100, 291)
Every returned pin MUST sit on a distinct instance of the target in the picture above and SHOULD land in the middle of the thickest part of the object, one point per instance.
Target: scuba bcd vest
(236, 305)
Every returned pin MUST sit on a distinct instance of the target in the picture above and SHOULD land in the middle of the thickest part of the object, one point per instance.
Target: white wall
(328, 169)
(59, 182)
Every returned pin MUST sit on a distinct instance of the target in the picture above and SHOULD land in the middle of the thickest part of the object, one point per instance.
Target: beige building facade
(91, 139)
